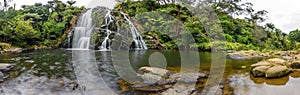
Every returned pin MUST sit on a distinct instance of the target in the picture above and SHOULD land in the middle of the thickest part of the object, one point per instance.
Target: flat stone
(187, 77)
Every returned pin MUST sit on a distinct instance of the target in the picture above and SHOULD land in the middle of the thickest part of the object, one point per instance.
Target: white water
(137, 37)
(107, 43)
(83, 31)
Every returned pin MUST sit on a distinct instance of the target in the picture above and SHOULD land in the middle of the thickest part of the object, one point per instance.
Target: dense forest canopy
(38, 24)
(47, 24)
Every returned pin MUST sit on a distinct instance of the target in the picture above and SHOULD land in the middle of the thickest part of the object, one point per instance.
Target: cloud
(283, 13)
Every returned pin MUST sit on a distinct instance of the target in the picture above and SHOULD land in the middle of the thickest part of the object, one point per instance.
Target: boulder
(260, 71)
(277, 71)
(262, 63)
(187, 77)
(154, 71)
(152, 75)
(277, 61)
(295, 65)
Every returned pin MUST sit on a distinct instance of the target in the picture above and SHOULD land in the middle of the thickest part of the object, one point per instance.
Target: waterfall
(83, 31)
(109, 19)
(87, 23)
(137, 37)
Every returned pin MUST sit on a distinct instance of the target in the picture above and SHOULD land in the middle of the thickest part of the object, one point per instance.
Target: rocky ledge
(165, 82)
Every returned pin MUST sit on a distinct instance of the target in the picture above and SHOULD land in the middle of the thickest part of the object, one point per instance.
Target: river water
(75, 72)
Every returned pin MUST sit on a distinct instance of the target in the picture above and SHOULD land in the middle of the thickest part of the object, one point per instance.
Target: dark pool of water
(68, 72)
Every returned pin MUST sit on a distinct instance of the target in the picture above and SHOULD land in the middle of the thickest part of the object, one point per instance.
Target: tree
(294, 36)
(71, 2)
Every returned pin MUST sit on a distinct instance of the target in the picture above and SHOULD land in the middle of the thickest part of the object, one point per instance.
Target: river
(75, 72)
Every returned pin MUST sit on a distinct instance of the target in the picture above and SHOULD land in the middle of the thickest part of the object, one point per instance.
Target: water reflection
(245, 84)
(67, 72)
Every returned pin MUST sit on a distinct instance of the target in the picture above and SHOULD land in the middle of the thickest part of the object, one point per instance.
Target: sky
(285, 14)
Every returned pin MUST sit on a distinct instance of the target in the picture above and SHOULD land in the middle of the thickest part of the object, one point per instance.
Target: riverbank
(18, 50)
(239, 55)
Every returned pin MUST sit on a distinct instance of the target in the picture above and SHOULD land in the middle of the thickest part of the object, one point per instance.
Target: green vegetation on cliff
(38, 24)
(47, 24)
(240, 34)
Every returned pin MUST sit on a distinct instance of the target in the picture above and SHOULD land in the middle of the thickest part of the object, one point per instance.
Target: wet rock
(5, 66)
(151, 75)
(277, 71)
(180, 89)
(277, 61)
(187, 77)
(260, 71)
(162, 80)
(237, 56)
(240, 55)
(263, 63)
(215, 90)
(295, 65)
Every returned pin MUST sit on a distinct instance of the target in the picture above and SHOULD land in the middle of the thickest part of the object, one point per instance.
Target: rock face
(277, 71)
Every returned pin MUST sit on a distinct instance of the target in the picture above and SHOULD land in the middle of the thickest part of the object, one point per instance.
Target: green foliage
(239, 34)
(37, 24)
(294, 36)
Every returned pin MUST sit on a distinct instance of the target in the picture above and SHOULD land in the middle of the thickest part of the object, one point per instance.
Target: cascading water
(109, 19)
(83, 31)
(137, 37)
(86, 25)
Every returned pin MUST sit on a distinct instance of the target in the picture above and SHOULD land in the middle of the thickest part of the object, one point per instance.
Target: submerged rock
(277, 71)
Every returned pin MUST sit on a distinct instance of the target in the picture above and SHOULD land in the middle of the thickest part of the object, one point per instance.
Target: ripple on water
(33, 85)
